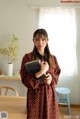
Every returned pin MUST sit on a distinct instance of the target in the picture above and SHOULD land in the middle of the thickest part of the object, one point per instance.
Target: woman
(41, 94)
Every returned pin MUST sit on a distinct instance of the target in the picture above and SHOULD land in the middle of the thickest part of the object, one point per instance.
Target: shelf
(14, 77)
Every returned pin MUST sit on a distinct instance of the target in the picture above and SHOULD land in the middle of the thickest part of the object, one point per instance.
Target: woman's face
(40, 41)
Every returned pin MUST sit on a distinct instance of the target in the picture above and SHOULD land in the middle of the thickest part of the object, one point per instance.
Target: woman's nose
(40, 41)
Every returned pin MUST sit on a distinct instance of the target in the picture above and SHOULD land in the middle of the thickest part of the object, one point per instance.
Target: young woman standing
(41, 95)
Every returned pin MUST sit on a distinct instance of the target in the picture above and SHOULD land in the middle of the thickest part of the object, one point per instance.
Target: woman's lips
(39, 46)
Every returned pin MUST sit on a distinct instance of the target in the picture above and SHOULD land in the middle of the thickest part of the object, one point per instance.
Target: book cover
(33, 66)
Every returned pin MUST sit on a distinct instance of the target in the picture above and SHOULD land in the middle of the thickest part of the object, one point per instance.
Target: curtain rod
(61, 6)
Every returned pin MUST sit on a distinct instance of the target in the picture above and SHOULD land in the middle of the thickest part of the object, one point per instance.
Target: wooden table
(14, 77)
(14, 106)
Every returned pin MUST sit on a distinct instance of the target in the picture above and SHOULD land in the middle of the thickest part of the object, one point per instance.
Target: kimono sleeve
(27, 79)
(54, 71)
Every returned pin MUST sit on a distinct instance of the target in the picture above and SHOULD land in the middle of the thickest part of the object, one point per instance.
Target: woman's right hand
(44, 67)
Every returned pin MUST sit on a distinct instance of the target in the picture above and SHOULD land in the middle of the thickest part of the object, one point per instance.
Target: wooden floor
(75, 113)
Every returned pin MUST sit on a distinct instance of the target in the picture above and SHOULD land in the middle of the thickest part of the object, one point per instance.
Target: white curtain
(60, 24)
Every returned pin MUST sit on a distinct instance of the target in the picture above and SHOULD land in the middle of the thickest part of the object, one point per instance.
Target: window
(60, 24)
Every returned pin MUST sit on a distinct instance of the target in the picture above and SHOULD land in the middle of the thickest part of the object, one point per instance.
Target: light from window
(60, 24)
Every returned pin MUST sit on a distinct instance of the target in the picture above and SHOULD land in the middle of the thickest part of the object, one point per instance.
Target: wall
(17, 17)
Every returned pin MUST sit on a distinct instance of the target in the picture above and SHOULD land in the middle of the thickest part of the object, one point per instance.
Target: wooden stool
(63, 96)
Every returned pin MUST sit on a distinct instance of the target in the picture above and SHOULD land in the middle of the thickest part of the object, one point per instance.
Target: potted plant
(12, 52)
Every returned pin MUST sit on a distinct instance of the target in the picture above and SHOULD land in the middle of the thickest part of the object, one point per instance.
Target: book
(33, 66)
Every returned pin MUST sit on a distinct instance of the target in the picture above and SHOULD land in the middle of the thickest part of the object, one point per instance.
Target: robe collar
(38, 55)
(41, 57)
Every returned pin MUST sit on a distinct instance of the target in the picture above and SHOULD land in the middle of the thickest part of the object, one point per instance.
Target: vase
(9, 69)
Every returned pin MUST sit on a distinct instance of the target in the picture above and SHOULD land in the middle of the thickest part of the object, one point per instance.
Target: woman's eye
(37, 39)
(43, 39)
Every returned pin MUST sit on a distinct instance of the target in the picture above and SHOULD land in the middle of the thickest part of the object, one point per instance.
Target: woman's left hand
(48, 80)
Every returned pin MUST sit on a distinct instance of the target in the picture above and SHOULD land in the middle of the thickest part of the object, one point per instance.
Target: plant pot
(9, 69)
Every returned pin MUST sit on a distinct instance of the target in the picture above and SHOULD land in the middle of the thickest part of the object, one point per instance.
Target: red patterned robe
(41, 98)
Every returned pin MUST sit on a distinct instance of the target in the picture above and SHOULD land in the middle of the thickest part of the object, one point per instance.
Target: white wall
(17, 17)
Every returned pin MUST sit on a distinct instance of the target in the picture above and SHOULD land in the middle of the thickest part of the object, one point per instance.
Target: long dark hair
(41, 32)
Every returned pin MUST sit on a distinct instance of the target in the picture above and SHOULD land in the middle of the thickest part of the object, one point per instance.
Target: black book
(33, 66)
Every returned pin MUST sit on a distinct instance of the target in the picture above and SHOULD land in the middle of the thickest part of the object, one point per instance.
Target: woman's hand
(48, 80)
(44, 67)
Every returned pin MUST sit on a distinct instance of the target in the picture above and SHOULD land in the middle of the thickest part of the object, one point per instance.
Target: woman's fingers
(48, 78)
